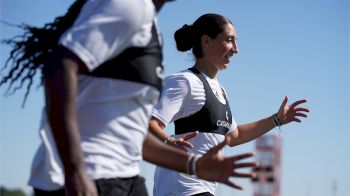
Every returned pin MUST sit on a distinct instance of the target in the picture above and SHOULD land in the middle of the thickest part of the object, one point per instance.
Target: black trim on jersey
(138, 64)
(214, 117)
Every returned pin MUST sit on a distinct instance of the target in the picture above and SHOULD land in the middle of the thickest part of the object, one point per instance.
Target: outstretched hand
(214, 167)
(289, 113)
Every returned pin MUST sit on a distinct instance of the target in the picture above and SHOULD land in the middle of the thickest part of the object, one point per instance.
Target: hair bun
(184, 38)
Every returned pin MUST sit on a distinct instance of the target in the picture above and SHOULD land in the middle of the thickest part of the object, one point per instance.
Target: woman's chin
(224, 66)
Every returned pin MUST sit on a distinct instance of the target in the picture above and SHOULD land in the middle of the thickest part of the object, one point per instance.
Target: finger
(241, 156)
(218, 147)
(300, 114)
(243, 175)
(249, 164)
(179, 139)
(185, 144)
(231, 184)
(297, 103)
(190, 135)
(301, 110)
(284, 103)
(176, 145)
(296, 120)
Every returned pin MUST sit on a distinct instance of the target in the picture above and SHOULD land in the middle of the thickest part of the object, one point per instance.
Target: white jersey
(113, 114)
(184, 95)
(105, 28)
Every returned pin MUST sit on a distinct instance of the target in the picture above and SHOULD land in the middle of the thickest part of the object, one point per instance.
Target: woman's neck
(206, 68)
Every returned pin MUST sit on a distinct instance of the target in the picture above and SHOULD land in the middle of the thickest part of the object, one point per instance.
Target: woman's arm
(156, 127)
(60, 76)
(251, 131)
(211, 166)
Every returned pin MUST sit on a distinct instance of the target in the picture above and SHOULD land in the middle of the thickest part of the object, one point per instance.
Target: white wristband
(194, 164)
(189, 164)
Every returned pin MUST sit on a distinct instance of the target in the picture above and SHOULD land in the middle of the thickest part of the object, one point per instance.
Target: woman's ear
(205, 39)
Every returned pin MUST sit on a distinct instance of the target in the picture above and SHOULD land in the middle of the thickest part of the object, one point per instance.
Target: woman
(101, 66)
(197, 104)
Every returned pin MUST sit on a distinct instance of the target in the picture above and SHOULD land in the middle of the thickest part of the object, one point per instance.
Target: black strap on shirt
(214, 116)
(137, 64)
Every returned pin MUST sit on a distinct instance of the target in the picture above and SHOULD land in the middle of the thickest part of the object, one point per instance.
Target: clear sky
(298, 48)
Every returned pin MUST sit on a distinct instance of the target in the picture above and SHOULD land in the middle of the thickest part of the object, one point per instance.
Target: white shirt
(113, 115)
(182, 96)
(105, 28)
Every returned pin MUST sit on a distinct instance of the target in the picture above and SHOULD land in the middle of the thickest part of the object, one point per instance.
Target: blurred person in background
(102, 73)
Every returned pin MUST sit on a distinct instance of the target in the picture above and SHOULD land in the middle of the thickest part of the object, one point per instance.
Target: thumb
(216, 149)
(284, 103)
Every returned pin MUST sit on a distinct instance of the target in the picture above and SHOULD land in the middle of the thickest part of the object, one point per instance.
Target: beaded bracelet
(278, 122)
(169, 139)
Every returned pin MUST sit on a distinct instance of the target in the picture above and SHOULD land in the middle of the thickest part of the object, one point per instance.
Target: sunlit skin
(216, 55)
(217, 52)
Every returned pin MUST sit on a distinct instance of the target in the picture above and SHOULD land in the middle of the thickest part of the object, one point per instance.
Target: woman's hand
(182, 142)
(77, 183)
(289, 113)
(214, 167)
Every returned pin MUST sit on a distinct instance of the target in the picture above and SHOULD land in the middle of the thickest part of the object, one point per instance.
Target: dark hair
(189, 36)
(31, 49)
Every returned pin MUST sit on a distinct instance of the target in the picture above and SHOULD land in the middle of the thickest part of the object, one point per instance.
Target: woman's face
(219, 50)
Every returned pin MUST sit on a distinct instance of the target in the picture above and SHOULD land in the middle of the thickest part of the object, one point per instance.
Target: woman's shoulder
(184, 76)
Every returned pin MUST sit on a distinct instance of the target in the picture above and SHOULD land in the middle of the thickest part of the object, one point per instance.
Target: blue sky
(298, 48)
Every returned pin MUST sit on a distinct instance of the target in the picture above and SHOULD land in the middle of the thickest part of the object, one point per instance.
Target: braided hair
(31, 49)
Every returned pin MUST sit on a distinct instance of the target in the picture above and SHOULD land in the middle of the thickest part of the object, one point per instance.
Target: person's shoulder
(186, 79)
(184, 75)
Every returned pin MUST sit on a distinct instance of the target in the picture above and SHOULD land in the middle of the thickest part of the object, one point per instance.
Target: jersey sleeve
(233, 125)
(172, 99)
(182, 96)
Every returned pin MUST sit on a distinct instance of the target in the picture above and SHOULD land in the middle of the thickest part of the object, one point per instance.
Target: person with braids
(102, 73)
(197, 104)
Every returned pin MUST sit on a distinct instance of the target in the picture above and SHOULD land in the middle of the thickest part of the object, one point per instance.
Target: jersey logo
(221, 123)
(226, 115)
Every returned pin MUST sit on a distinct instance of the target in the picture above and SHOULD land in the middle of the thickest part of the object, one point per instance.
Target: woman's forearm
(161, 154)
(156, 127)
(248, 132)
(211, 166)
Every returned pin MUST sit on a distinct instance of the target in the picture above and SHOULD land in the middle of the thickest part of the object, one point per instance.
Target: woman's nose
(235, 49)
